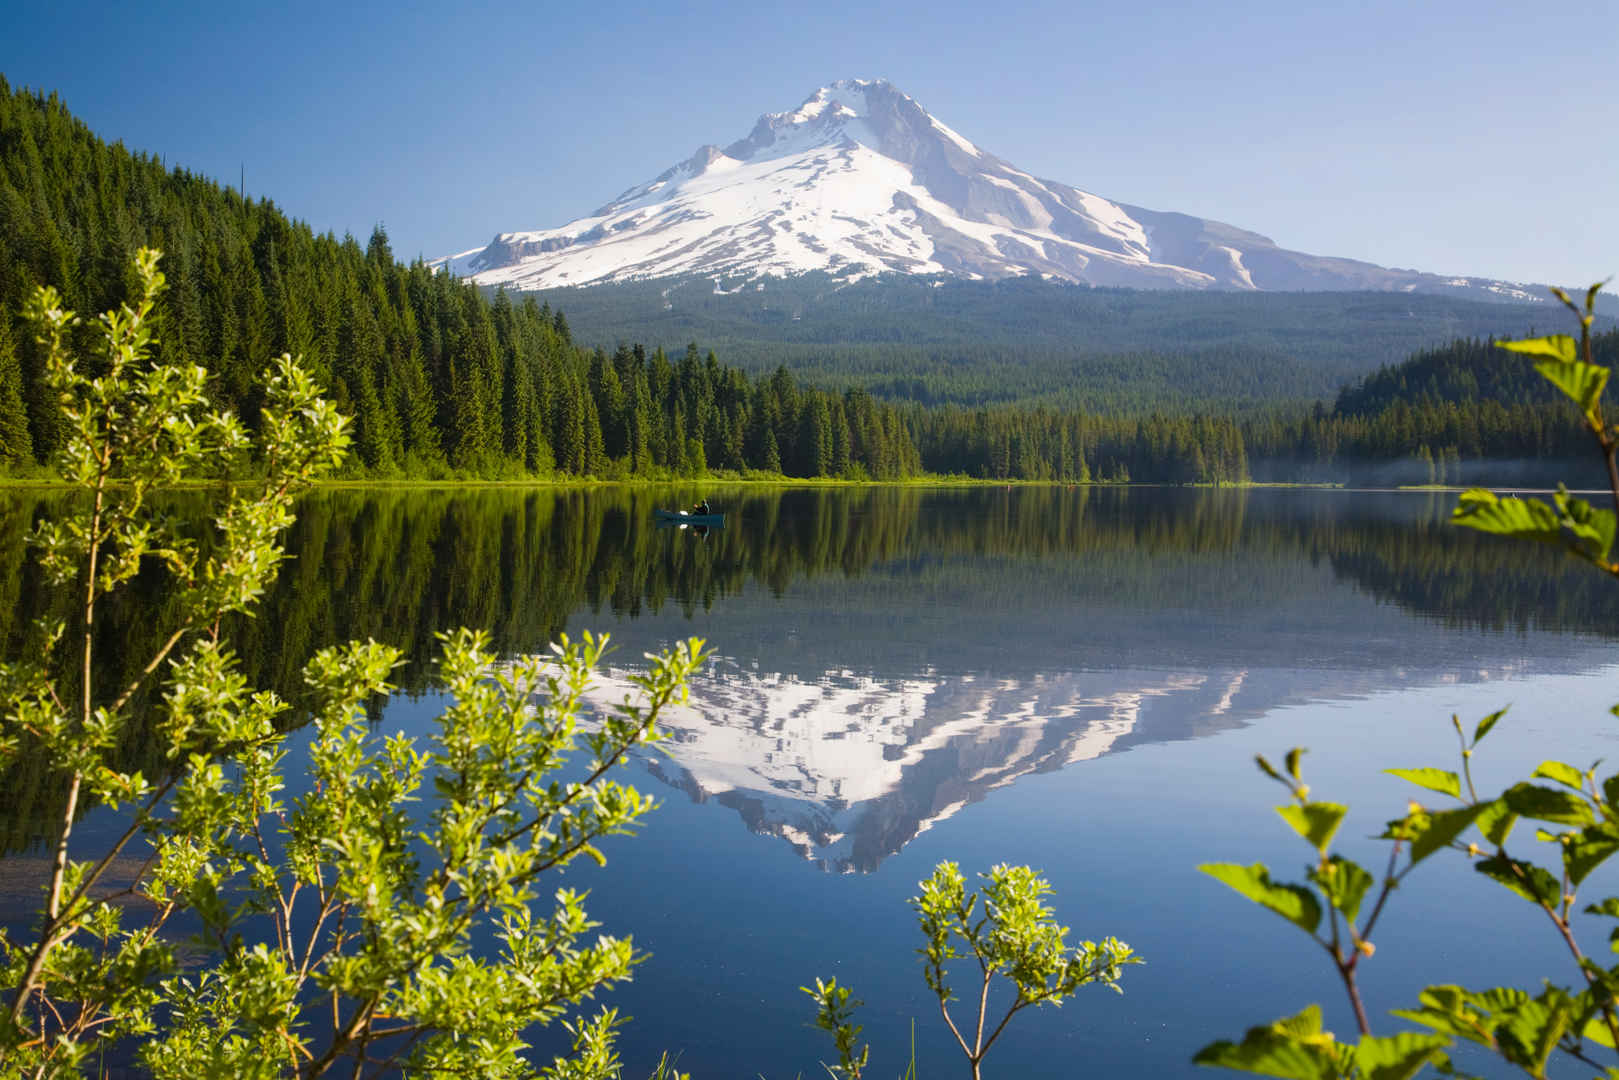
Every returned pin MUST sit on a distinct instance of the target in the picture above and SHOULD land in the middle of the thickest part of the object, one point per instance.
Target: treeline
(1447, 409)
(1429, 442)
(1043, 444)
(1450, 414)
(438, 377)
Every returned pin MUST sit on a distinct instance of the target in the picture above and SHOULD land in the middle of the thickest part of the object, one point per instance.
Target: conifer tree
(817, 440)
(771, 460)
(572, 451)
(16, 445)
(841, 440)
(608, 393)
(378, 252)
(595, 448)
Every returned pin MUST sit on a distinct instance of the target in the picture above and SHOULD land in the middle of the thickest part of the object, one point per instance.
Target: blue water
(1080, 685)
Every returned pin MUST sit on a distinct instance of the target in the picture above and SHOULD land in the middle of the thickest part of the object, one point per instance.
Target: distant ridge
(1028, 341)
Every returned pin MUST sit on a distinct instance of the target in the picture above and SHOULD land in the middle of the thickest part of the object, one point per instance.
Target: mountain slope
(860, 179)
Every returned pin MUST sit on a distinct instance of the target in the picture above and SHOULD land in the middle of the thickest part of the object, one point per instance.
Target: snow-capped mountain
(860, 179)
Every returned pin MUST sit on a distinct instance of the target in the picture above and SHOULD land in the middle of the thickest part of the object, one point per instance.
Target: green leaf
(1589, 1018)
(1532, 1030)
(1591, 295)
(1548, 804)
(1462, 1013)
(1596, 1030)
(1580, 381)
(1294, 903)
(1398, 1057)
(1440, 780)
(1478, 508)
(1293, 757)
(1529, 881)
(1294, 1048)
(1555, 347)
(1589, 849)
(1496, 822)
(1593, 529)
(1345, 884)
(1610, 790)
(1609, 906)
(1442, 828)
(1486, 724)
(1305, 1024)
(1316, 821)
(1563, 774)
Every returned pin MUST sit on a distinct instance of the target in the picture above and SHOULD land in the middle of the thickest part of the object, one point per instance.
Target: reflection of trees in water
(526, 563)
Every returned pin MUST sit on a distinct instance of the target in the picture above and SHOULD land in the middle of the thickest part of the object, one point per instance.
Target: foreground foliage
(1009, 932)
(1576, 813)
(244, 922)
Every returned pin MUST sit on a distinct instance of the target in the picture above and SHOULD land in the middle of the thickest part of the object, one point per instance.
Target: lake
(1077, 679)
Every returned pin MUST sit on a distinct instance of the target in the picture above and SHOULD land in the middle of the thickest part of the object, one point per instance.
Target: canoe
(686, 517)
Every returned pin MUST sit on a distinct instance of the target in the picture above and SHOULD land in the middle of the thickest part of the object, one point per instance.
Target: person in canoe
(701, 508)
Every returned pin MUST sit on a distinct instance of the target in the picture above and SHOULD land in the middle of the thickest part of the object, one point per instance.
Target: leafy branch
(1577, 815)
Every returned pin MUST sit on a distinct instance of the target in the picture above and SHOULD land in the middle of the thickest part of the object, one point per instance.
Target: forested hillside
(1030, 341)
(437, 376)
(1467, 412)
(1463, 370)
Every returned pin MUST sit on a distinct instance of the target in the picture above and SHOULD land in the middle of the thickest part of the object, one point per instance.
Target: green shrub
(334, 928)
(1010, 934)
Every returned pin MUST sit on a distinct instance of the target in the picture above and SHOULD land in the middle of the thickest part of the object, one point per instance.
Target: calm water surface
(1073, 679)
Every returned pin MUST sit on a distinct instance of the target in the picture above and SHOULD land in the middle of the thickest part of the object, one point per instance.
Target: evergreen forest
(440, 379)
(444, 380)
(1028, 341)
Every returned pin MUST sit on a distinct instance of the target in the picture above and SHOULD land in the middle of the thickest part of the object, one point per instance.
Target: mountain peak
(848, 108)
(859, 179)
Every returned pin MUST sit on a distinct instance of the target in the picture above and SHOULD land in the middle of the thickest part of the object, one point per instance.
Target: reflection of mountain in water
(948, 591)
(849, 768)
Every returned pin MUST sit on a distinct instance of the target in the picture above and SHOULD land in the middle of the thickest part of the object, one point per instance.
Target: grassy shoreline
(713, 480)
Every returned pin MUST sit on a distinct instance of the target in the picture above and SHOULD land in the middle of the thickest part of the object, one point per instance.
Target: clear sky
(1457, 137)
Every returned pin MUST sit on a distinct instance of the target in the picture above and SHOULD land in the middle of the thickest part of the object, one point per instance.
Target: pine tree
(817, 439)
(771, 460)
(572, 451)
(378, 252)
(16, 445)
(841, 440)
(608, 393)
(595, 449)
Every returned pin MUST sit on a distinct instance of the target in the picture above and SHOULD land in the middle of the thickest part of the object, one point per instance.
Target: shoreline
(24, 483)
(13, 483)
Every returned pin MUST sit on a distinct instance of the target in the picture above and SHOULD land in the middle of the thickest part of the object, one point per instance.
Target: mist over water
(1071, 677)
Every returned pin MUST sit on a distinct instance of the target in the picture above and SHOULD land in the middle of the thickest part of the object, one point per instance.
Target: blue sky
(1476, 138)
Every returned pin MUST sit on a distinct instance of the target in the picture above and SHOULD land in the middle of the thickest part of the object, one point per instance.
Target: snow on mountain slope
(860, 179)
(848, 767)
